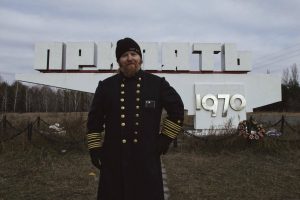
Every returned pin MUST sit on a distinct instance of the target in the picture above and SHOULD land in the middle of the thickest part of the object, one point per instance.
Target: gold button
(122, 85)
(136, 123)
(124, 141)
(135, 132)
(122, 92)
(123, 124)
(122, 116)
(137, 115)
(138, 85)
(137, 91)
(137, 107)
(135, 140)
(137, 99)
(122, 99)
(140, 78)
(122, 107)
(178, 121)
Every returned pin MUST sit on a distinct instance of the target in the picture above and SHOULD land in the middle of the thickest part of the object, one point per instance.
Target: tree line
(18, 97)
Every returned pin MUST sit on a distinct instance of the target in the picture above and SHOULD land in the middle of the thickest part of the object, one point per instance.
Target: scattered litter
(57, 129)
(93, 175)
(273, 133)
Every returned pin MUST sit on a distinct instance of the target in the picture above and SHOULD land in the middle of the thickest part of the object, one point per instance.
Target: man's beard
(130, 70)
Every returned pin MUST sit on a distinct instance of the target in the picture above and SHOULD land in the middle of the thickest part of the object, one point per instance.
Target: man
(127, 109)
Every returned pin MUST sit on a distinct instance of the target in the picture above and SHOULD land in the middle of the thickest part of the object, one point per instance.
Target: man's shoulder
(108, 82)
(152, 76)
(111, 79)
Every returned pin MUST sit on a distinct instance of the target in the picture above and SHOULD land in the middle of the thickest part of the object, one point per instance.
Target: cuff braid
(171, 129)
(94, 140)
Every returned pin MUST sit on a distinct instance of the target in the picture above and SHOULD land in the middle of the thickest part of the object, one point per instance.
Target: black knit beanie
(127, 44)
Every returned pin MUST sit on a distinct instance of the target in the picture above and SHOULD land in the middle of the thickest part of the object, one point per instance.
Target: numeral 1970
(237, 102)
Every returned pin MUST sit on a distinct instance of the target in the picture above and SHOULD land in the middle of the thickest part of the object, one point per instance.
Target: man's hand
(96, 155)
(163, 144)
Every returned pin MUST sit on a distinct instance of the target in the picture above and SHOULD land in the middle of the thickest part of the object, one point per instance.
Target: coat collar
(137, 76)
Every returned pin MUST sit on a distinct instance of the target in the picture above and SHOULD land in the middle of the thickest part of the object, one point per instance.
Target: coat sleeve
(96, 119)
(172, 103)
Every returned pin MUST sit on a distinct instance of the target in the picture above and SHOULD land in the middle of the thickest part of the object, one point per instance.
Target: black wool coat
(129, 111)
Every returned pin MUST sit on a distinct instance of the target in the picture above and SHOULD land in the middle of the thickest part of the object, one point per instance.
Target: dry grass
(40, 169)
(43, 175)
(46, 174)
(242, 175)
(50, 117)
(213, 168)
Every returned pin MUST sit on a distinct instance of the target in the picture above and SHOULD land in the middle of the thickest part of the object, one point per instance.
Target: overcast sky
(270, 29)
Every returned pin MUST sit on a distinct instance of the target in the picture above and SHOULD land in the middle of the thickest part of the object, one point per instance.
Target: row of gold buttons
(137, 114)
(134, 140)
(122, 99)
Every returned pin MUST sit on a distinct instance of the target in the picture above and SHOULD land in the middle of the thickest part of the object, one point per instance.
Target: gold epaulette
(171, 129)
(94, 140)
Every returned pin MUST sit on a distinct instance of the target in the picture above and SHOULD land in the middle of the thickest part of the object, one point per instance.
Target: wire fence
(63, 139)
(58, 139)
(282, 125)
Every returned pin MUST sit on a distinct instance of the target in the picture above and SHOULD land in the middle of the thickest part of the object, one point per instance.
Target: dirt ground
(195, 170)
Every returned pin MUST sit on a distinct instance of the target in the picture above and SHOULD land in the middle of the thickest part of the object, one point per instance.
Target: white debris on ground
(58, 130)
(273, 133)
(198, 133)
(204, 132)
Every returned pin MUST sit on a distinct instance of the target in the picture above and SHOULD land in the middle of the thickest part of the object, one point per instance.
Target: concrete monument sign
(213, 97)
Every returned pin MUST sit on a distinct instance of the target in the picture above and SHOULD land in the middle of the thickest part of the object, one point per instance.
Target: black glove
(96, 155)
(163, 144)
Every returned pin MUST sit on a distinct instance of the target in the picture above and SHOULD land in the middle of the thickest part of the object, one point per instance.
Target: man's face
(130, 62)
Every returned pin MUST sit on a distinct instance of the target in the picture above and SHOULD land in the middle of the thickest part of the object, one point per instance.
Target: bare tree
(26, 100)
(47, 96)
(294, 76)
(75, 98)
(285, 76)
(4, 101)
(16, 95)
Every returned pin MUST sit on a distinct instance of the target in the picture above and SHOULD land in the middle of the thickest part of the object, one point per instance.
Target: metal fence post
(38, 122)
(282, 123)
(4, 123)
(3, 131)
(29, 131)
(249, 124)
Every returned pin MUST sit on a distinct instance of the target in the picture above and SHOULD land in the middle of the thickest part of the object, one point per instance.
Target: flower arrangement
(251, 129)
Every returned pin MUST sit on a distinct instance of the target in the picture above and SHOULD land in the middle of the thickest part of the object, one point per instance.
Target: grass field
(43, 175)
(210, 169)
(239, 175)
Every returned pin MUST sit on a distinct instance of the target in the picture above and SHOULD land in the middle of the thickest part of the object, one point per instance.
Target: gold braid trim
(94, 140)
(173, 125)
(171, 129)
